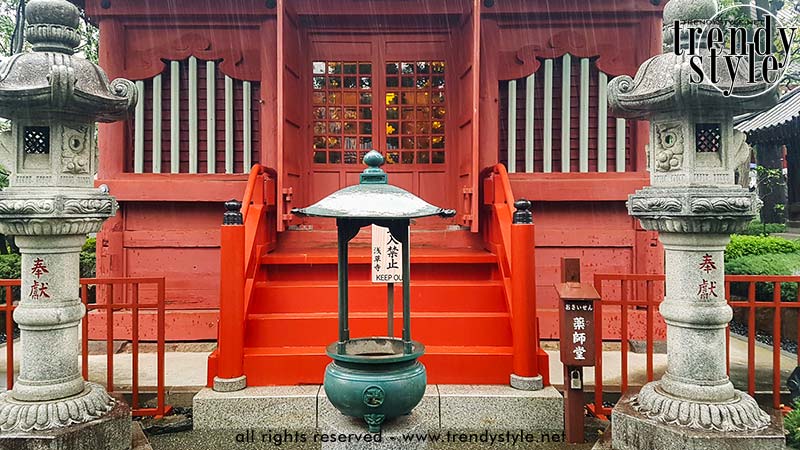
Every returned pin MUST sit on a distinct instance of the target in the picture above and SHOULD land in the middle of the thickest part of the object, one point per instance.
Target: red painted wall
(168, 224)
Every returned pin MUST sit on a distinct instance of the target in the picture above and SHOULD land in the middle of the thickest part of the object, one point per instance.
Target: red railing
(241, 248)
(135, 305)
(752, 304)
(499, 198)
(635, 294)
(514, 246)
(260, 222)
(630, 288)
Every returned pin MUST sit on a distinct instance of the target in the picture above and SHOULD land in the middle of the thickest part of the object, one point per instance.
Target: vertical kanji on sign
(393, 249)
(387, 256)
(376, 258)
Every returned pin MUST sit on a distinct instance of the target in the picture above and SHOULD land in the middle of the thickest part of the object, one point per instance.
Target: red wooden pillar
(111, 138)
(112, 145)
(525, 364)
(230, 346)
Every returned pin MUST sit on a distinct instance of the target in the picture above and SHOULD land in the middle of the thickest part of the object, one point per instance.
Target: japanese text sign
(576, 316)
(387, 256)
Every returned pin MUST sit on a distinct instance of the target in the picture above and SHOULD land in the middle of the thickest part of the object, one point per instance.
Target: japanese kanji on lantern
(576, 319)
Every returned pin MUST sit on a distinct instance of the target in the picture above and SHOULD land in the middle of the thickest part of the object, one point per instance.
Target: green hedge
(769, 264)
(90, 246)
(10, 266)
(756, 228)
(741, 246)
(88, 265)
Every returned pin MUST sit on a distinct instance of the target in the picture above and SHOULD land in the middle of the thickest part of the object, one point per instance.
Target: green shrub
(769, 264)
(90, 245)
(759, 245)
(792, 425)
(756, 228)
(88, 265)
(10, 266)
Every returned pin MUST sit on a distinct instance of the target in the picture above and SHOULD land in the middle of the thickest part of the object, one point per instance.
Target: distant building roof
(774, 124)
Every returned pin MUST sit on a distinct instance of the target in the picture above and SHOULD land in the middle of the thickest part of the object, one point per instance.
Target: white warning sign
(387, 256)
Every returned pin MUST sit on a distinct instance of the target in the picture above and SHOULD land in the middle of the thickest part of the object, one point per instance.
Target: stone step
(434, 328)
(461, 410)
(306, 365)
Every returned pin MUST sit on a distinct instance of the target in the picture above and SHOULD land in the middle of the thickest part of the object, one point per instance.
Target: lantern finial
(689, 10)
(53, 26)
(373, 174)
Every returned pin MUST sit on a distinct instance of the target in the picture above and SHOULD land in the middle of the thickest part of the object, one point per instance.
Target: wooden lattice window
(192, 118)
(415, 112)
(343, 100)
(341, 111)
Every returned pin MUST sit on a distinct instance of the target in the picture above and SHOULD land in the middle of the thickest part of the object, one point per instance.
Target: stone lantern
(374, 378)
(53, 99)
(694, 205)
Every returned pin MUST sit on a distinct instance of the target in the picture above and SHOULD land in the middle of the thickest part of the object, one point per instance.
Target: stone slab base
(448, 407)
(110, 432)
(634, 431)
(263, 407)
(499, 407)
(639, 346)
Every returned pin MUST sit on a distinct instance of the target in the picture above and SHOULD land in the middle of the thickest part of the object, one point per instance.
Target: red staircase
(458, 302)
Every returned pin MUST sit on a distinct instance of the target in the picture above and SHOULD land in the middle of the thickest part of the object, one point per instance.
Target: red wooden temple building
(471, 102)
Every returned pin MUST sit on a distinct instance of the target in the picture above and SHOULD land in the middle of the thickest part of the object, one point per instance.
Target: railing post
(230, 374)
(526, 375)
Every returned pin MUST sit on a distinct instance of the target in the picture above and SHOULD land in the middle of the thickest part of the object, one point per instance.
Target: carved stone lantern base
(90, 404)
(635, 429)
(112, 431)
(740, 413)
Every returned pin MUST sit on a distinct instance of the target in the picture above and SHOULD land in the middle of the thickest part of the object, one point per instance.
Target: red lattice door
(384, 93)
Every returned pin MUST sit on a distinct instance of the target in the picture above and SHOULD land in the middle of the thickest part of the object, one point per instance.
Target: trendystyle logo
(741, 44)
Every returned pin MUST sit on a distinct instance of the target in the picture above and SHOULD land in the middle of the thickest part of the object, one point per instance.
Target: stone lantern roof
(51, 83)
(664, 82)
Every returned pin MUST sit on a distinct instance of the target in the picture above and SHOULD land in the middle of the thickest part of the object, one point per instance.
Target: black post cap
(233, 213)
(523, 214)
